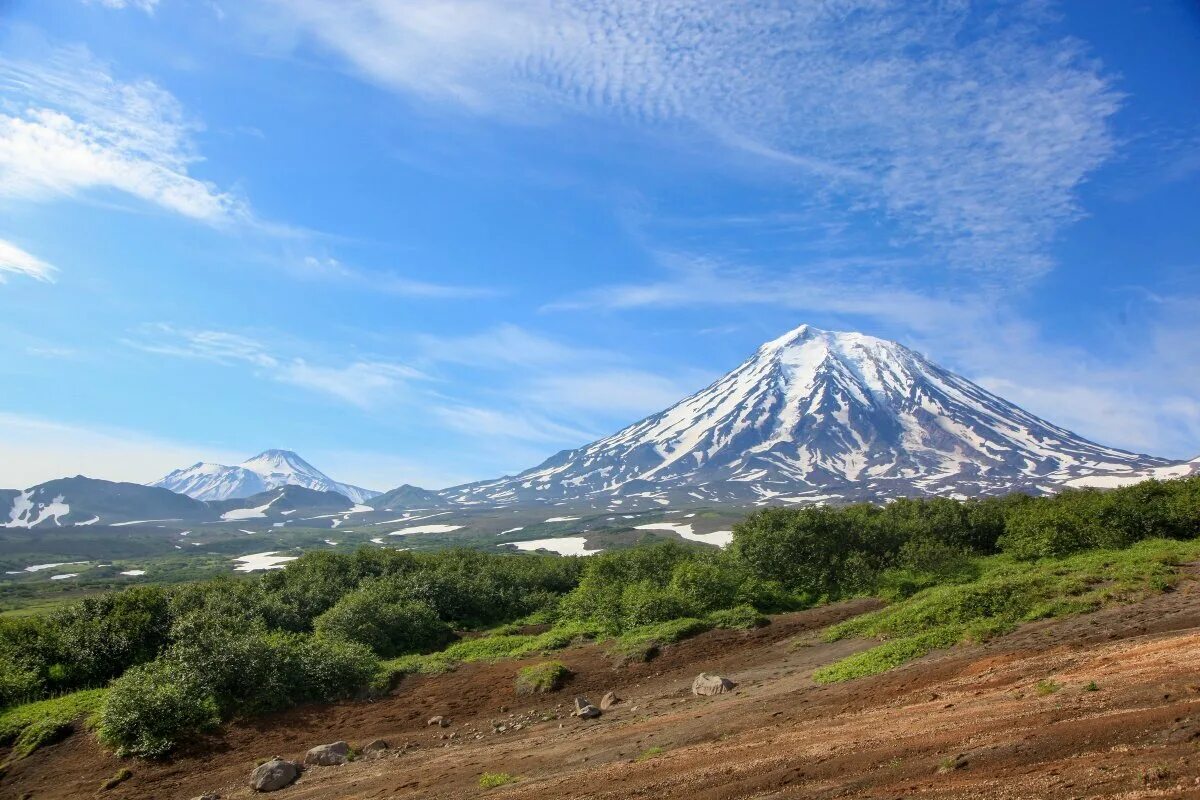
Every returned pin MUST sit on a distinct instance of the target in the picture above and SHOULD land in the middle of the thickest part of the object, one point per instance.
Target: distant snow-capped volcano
(828, 416)
(267, 470)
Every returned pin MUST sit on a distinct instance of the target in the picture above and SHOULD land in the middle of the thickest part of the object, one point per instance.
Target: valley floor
(1013, 718)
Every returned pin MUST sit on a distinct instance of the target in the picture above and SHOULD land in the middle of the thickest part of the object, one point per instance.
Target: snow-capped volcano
(267, 470)
(821, 415)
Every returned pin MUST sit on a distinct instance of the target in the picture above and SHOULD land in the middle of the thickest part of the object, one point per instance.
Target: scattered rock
(208, 796)
(273, 775)
(328, 755)
(609, 700)
(584, 709)
(376, 746)
(440, 721)
(707, 685)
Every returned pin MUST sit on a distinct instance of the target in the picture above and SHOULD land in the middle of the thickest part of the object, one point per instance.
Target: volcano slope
(1100, 705)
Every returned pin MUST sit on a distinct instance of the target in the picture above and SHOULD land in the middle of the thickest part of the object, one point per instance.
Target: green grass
(1005, 594)
(490, 780)
(119, 777)
(642, 644)
(493, 647)
(30, 726)
(547, 676)
(1047, 687)
(650, 753)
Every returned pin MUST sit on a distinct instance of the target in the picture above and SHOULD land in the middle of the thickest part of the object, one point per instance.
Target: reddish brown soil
(967, 723)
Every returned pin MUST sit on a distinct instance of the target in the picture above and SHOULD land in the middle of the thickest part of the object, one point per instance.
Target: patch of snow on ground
(377, 540)
(257, 561)
(140, 522)
(257, 512)
(331, 542)
(359, 508)
(511, 530)
(684, 529)
(133, 573)
(40, 567)
(564, 546)
(64, 576)
(425, 529)
(562, 519)
(91, 521)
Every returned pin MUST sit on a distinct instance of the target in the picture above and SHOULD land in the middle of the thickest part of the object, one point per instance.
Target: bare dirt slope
(970, 722)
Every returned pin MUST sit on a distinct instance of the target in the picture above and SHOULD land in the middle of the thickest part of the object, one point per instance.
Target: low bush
(548, 676)
(491, 780)
(152, 707)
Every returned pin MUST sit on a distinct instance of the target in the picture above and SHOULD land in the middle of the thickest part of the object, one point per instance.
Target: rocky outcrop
(273, 775)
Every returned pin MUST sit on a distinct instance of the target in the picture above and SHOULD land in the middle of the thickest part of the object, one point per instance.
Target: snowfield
(564, 546)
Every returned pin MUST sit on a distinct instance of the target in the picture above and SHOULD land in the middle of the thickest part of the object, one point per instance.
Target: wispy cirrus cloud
(68, 128)
(364, 383)
(968, 126)
(389, 282)
(15, 261)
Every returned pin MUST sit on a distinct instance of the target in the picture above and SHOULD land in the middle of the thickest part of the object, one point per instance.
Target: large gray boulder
(273, 775)
(328, 755)
(707, 685)
(584, 709)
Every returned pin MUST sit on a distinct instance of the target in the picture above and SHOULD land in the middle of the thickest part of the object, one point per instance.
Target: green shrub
(376, 616)
(491, 780)
(548, 676)
(739, 618)
(153, 706)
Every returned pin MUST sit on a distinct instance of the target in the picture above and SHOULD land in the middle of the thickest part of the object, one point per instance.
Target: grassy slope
(1006, 593)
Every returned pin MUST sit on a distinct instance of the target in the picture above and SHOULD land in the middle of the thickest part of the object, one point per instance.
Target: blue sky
(437, 240)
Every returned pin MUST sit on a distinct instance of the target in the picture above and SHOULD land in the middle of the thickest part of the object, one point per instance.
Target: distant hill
(267, 470)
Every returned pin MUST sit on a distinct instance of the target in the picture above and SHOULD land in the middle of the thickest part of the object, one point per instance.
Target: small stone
(609, 700)
(439, 721)
(376, 746)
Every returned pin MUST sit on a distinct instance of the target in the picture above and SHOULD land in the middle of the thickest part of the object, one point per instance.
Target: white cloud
(142, 5)
(69, 128)
(15, 261)
(37, 450)
(971, 128)
(364, 383)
